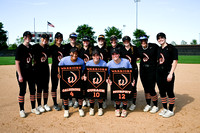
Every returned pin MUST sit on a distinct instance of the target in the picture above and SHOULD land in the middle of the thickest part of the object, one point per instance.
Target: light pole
(136, 1)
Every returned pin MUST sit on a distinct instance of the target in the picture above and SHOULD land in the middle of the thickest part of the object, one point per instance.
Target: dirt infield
(186, 119)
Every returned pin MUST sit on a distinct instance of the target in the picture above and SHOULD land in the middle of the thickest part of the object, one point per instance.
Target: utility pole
(136, 1)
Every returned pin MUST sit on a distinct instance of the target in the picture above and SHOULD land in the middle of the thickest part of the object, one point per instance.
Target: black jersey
(148, 56)
(40, 55)
(103, 52)
(86, 53)
(57, 53)
(167, 55)
(131, 54)
(69, 46)
(24, 55)
(110, 48)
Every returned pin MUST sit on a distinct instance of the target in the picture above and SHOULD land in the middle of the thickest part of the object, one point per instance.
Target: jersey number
(71, 93)
(122, 96)
(97, 94)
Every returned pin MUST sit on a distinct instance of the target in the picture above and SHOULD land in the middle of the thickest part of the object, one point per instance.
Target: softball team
(157, 65)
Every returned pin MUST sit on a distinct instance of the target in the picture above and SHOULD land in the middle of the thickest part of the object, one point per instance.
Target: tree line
(84, 30)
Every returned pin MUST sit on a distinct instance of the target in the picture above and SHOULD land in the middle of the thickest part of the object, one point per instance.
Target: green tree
(3, 37)
(137, 34)
(12, 46)
(85, 30)
(173, 43)
(183, 42)
(194, 42)
(112, 31)
(19, 40)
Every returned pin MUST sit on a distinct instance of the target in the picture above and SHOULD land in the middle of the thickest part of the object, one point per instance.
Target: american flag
(50, 24)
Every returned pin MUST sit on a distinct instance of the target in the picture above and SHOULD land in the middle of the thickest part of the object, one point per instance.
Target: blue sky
(179, 19)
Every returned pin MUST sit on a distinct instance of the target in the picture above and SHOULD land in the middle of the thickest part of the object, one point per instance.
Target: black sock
(124, 107)
(39, 101)
(134, 99)
(80, 106)
(21, 105)
(117, 106)
(55, 101)
(148, 101)
(33, 104)
(155, 103)
(165, 105)
(45, 101)
(66, 107)
(171, 106)
(91, 105)
(100, 105)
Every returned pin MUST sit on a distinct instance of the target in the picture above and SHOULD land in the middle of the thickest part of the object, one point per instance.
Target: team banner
(70, 81)
(96, 82)
(121, 88)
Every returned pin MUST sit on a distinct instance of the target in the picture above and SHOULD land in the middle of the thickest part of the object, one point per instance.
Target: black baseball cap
(126, 38)
(45, 36)
(101, 37)
(161, 34)
(27, 33)
(73, 35)
(115, 51)
(95, 51)
(86, 38)
(75, 49)
(58, 34)
(113, 37)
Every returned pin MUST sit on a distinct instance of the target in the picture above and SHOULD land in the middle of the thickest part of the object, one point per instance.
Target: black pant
(135, 76)
(148, 79)
(54, 78)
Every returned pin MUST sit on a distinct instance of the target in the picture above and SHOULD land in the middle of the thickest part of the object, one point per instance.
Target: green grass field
(183, 59)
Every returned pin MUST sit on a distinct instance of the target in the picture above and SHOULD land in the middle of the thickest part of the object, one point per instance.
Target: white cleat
(35, 111)
(154, 110)
(163, 112)
(132, 107)
(91, 112)
(147, 108)
(124, 113)
(81, 112)
(75, 104)
(100, 112)
(22, 114)
(168, 114)
(47, 108)
(41, 109)
(66, 113)
(70, 103)
(117, 113)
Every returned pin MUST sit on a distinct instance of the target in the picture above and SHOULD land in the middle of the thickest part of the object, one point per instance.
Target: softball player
(167, 62)
(57, 51)
(148, 61)
(72, 44)
(130, 52)
(41, 70)
(24, 73)
(73, 59)
(96, 62)
(114, 45)
(118, 62)
(85, 54)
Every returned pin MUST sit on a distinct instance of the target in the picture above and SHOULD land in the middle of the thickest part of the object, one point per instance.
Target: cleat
(75, 104)
(163, 112)
(132, 107)
(66, 113)
(147, 108)
(154, 110)
(70, 103)
(47, 108)
(41, 109)
(168, 114)
(22, 114)
(56, 107)
(35, 111)
(84, 103)
(117, 113)
(104, 104)
(91, 112)
(81, 112)
(100, 112)
(124, 113)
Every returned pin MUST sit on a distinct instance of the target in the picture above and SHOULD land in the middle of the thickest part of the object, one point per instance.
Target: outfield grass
(183, 59)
